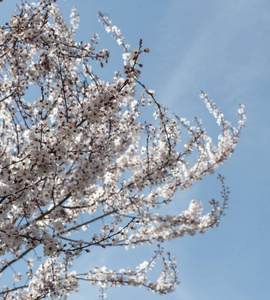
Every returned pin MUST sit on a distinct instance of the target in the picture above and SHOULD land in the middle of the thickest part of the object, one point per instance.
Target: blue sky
(222, 48)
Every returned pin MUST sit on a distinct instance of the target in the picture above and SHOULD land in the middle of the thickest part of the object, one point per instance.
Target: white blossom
(81, 155)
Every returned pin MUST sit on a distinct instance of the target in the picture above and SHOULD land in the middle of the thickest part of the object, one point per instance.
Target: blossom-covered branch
(74, 151)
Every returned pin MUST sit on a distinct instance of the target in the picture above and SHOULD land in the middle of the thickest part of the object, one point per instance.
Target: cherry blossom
(74, 151)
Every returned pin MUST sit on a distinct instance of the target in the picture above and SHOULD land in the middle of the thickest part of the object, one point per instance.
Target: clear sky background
(221, 47)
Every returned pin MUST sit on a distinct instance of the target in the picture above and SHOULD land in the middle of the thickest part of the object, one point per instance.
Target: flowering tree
(74, 150)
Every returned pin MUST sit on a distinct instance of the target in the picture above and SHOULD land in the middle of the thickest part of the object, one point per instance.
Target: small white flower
(58, 226)
(50, 248)
(17, 277)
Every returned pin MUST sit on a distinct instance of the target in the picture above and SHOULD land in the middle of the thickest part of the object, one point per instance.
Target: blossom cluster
(74, 151)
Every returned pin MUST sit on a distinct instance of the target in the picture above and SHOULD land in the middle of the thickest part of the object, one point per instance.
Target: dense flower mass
(78, 151)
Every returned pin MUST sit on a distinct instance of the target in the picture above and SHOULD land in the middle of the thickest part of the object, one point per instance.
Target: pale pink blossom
(82, 155)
